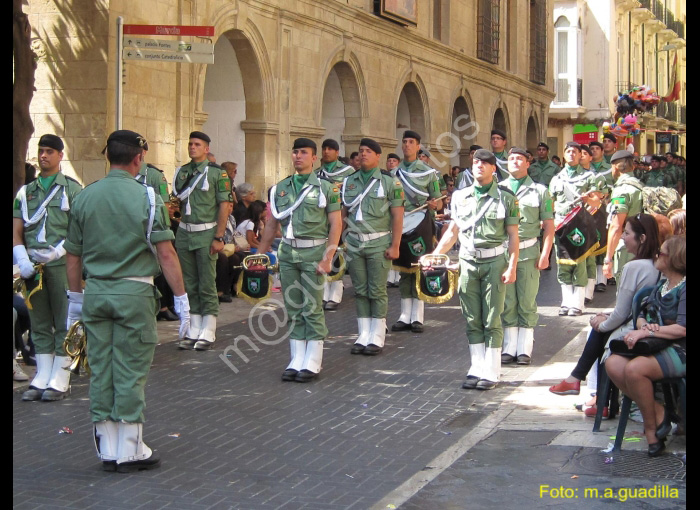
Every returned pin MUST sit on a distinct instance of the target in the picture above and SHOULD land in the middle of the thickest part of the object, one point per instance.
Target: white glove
(49, 254)
(182, 309)
(26, 268)
(75, 308)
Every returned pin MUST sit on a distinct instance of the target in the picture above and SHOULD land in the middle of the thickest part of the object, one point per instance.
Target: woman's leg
(639, 375)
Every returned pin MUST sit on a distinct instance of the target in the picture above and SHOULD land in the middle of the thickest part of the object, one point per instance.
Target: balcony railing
(668, 111)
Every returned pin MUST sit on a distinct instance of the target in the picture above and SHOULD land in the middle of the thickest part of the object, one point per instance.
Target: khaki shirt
(309, 221)
(154, 178)
(409, 176)
(543, 171)
(108, 227)
(204, 205)
(490, 229)
(626, 197)
(339, 170)
(56, 218)
(565, 189)
(535, 204)
(386, 192)
(656, 178)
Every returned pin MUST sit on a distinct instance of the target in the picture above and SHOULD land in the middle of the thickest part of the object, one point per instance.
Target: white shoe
(17, 372)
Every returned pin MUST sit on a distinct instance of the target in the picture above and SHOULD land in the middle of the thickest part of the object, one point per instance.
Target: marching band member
(308, 210)
(485, 217)
(373, 211)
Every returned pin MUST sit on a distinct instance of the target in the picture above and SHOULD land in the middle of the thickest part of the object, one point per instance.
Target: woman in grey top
(641, 237)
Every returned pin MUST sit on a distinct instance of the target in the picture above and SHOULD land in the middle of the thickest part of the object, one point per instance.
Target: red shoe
(591, 412)
(565, 388)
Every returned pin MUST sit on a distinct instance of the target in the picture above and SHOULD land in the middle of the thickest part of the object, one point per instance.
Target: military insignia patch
(351, 187)
(254, 285)
(398, 194)
(434, 284)
(224, 185)
(281, 193)
(417, 247)
(576, 237)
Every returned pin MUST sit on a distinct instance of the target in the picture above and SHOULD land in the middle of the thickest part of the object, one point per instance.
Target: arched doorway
(499, 122)
(341, 112)
(225, 103)
(532, 135)
(234, 99)
(464, 130)
(410, 113)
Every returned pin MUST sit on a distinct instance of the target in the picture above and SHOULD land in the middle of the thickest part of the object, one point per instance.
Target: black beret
(499, 133)
(542, 144)
(424, 152)
(126, 137)
(658, 158)
(621, 155)
(576, 145)
(610, 137)
(52, 141)
(474, 148)
(331, 144)
(303, 143)
(392, 155)
(200, 135)
(411, 134)
(518, 150)
(368, 142)
(586, 148)
(596, 144)
(485, 155)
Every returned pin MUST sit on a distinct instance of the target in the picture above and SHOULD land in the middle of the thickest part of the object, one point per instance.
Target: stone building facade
(284, 69)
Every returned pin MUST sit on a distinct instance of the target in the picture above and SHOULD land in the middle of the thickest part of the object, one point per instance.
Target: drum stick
(425, 205)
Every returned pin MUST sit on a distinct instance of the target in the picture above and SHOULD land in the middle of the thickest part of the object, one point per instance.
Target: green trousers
(49, 309)
(407, 285)
(302, 290)
(368, 271)
(482, 296)
(571, 274)
(520, 309)
(122, 337)
(198, 271)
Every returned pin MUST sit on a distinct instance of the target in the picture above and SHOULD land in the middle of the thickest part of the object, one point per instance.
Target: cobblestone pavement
(233, 435)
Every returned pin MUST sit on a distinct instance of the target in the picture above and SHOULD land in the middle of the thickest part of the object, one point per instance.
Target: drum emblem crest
(254, 285)
(576, 237)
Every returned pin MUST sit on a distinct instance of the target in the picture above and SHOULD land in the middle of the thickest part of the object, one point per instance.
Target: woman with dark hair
(641, 237)
(663, 316)
(253, 222)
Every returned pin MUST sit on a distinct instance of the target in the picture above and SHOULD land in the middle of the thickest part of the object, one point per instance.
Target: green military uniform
(368, 197)
(201, 187)
(502, 164)
(655, 178)
(464, 179)
(520, 316)
(335, 172)
(420, 184)
(49, 305)
(482, 215)
(154, 177)
(625, 198)
(542, 171)
(301, 204)
(594, 265)
(44, 205)
(566, 187)
(119, 312)
(607, 157)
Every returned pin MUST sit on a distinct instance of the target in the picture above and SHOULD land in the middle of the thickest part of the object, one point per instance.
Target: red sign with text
(586, 138)
(176, 30)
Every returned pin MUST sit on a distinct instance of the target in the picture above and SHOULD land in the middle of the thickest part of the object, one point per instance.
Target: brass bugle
(75, 346)
(433, 260)
(259, 259)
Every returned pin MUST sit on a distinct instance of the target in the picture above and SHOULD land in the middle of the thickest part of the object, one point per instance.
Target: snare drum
(577, 236)
(412, 219)
(416, 241)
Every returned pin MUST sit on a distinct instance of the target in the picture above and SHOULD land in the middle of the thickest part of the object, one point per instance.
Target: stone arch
(345, 120)
(500, 119)
(252, 123)
(412, 109)
(532, 132)
(463, 127)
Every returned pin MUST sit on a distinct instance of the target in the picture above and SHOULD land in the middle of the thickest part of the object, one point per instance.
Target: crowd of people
(185, 251)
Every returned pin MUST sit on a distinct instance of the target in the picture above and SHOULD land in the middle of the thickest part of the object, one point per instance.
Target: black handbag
(643, 346)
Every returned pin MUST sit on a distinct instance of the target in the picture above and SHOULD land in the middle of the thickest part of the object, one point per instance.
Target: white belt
(485, 253)
(142, 279)
(303, 243)
(527, 243)
(197, 227)
(368, 237)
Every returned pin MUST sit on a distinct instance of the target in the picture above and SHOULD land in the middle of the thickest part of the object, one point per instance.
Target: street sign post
(168, 56)
(177, 30)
